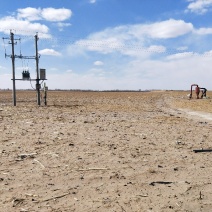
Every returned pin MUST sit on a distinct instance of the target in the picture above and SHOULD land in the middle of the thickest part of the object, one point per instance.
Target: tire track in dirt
(165, 105)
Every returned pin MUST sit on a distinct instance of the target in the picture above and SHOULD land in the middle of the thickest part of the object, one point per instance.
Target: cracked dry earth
(105, 151)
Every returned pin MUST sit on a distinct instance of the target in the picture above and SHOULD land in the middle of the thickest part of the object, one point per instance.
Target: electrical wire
(106, 45)
(31, 84)
(20, 45)
(5, 50)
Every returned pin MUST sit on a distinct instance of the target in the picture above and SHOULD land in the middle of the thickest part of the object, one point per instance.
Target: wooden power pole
(13, 67)
(37, 70)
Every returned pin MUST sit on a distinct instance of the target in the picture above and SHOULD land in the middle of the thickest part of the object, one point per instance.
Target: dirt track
(101, 151)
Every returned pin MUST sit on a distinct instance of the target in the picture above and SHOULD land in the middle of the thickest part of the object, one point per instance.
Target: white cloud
(177, 73)
(69, 71)
(98, 42)
(156, 49)
(23, 27)
(50, 52)
(56, 15)
(24, 23)
(98, 63)
(127, 39)
(174, 72)
(171, 72)
(29, 13)
(163, 30)
(184, 55)
(199, 6)
(182, 48)
(208, 54)
(167, 29)
(204, 31)
(92, 1)
(145, 67)
(48, 14)
(63, 25)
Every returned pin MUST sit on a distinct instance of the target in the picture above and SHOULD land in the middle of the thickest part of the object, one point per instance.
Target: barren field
(106, 151)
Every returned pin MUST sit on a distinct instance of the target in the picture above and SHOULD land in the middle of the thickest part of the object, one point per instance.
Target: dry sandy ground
(101, 151)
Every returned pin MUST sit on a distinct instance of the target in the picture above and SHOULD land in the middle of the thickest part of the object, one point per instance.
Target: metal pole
(37, 71)
(45, 94)
(13, 68)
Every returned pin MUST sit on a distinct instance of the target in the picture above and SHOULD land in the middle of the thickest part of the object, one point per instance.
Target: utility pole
(13, 67)
(37, 69)
(13, 56)
(36, 57)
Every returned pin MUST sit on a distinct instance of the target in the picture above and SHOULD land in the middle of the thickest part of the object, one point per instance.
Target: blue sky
(110, 44)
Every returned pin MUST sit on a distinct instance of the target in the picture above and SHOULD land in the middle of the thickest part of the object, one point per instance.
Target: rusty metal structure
(190, 96)
(203, 91)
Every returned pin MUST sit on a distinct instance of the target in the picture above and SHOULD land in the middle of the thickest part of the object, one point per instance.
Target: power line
(91, 43)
